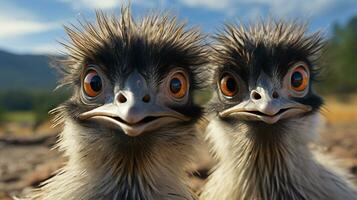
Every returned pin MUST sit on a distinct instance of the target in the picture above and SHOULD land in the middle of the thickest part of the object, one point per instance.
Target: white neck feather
(149, 171)
(279, 166)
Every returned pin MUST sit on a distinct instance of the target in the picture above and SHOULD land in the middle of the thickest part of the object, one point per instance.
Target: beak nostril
(146, 98)
(275, 95)
(256, 95)
(122, 98)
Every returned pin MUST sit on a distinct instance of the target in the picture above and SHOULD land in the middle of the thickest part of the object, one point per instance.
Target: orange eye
(299, 79)
(92, 83)
(228, 85)
(178, 85)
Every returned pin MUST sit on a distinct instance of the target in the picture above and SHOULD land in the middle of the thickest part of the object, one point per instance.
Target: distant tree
(17, 100)
(38, 102)
(45, 102)
(2, 114)
(341, 59)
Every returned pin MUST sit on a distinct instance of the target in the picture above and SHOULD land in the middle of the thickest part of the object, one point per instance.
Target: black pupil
(96, 83)
(175, 85)
(231, 85)
(296, 79)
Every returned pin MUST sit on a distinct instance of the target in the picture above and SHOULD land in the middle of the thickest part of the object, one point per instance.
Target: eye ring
(92, 83)
(299, 78)
(228, 85)
(178, 85)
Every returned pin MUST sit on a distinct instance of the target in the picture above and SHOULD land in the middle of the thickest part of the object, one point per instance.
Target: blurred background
(30, 32)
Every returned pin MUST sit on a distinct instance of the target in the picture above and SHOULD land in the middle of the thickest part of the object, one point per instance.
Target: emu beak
(132, 112)
(266, 109)
(134, 120)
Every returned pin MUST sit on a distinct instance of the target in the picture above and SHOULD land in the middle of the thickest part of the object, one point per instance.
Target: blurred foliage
(2, 114)
(15, 100)
(39, 102)
(46, 102)
(341, 60)
(20, 116)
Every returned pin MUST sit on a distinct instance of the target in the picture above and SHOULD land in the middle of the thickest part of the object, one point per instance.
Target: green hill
(26, 72)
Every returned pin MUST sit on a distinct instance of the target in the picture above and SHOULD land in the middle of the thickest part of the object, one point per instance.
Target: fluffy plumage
(258, 160)
(105, 163)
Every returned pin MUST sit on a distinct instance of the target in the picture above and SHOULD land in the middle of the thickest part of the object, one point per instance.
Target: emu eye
(92, 83)
(229, 85)
(178, 85)
(299, 79)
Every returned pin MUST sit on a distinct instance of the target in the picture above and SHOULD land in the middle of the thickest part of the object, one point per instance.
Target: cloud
(94, 4)
(11, 11)
(16, 28)
(108, 4)
(210, 4)
(16, 21)
(275, 7)
(47, 48)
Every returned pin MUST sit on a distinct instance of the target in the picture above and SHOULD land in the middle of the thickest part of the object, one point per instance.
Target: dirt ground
(26, 159)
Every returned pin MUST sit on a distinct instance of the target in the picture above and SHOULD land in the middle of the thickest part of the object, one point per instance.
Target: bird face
(133, 77)
(264, 73)
(136, 106)
(267, 98)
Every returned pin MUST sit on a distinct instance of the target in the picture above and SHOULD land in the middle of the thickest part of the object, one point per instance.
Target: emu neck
(258, 162)
(101, 166)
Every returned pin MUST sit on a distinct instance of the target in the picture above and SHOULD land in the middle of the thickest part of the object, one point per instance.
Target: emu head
(133, 80)
(264, 74)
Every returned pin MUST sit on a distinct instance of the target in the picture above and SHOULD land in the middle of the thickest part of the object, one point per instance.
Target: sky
(36, 26)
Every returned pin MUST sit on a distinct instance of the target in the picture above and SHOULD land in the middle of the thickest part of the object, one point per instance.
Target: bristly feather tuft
(237, 43)
(116, 40)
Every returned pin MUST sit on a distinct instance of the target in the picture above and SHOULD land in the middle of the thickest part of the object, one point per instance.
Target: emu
(129, 127)
(264, 113)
